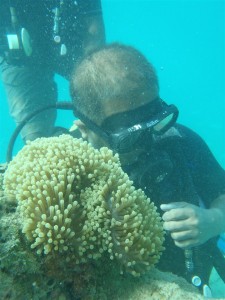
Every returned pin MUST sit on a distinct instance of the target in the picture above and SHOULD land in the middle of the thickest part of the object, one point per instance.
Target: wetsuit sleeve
(207, 174)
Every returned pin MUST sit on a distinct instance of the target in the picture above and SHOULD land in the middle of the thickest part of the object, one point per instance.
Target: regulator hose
(64, 105)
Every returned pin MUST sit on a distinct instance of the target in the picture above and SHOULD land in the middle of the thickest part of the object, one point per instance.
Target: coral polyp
(76, 202)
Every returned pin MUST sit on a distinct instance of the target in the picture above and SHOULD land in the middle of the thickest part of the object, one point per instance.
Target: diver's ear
(82, 128)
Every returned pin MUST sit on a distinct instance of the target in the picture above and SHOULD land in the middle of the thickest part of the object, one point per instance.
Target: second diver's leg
(28, 89)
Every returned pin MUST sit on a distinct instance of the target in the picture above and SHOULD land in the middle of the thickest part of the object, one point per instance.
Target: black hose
(65, 105)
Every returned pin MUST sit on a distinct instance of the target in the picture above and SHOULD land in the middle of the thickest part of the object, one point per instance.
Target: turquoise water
(185, 40)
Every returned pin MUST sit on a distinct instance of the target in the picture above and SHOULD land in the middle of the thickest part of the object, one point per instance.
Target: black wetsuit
(180, 167)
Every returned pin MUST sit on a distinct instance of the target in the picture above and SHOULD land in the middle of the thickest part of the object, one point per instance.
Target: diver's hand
(189, 225)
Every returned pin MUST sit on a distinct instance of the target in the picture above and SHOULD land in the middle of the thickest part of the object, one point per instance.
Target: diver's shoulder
(186, 132)
(190, 137)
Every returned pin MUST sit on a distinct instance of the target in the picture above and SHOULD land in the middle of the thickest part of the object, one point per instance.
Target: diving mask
(123, 130)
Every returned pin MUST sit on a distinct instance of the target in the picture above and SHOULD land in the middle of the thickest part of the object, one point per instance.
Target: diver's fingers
(173, 205)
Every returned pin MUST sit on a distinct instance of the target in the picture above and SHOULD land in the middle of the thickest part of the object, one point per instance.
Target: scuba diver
(37, 40)
(115, 92)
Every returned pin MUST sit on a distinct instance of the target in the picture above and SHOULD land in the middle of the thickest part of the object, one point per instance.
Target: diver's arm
(217, 209)
(95, 32)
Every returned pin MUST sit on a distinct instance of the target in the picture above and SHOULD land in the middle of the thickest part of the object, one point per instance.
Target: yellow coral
(77, 201)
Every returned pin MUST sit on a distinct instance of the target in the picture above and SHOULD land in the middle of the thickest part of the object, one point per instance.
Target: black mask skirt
(129, 118)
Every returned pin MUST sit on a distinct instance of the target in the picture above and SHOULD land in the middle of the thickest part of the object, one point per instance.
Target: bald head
(112, 79)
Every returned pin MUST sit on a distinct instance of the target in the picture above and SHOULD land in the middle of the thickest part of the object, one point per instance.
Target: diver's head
(116, 97)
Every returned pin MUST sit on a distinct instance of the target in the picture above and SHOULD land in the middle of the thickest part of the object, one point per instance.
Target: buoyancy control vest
(164, 174)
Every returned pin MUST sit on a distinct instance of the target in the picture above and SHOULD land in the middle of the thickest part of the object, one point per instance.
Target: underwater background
(185, 41)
